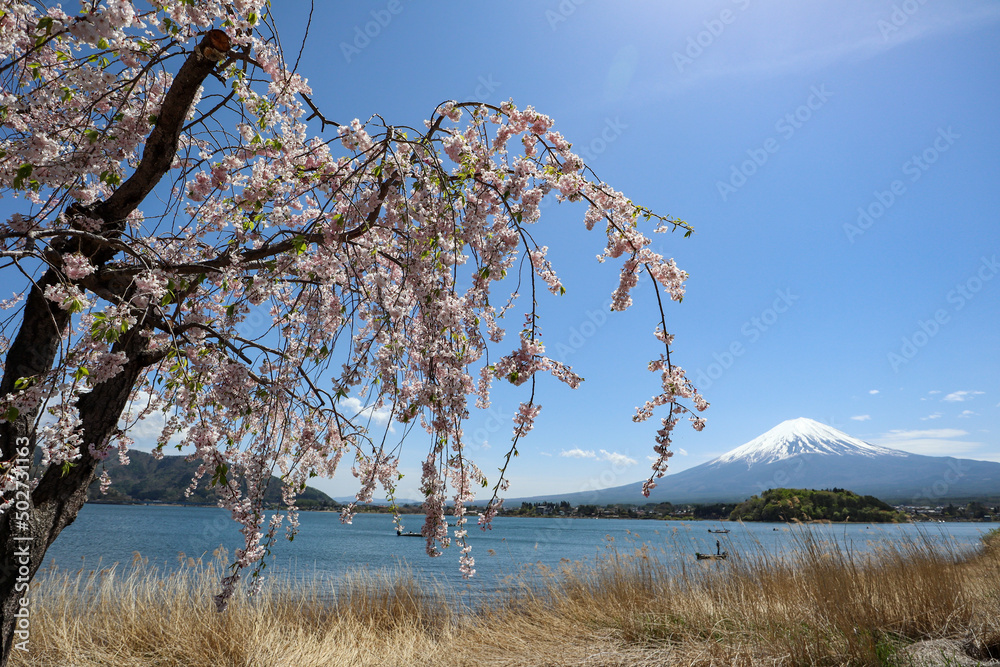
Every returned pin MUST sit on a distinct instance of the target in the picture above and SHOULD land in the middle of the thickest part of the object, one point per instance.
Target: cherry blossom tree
(194, 237)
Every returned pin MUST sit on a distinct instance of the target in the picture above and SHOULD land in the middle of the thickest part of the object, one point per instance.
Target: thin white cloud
(934, 391)
(812, 36)
(873, 391)
(681, 451)
(545, 453)
(967, 413)
(381, 416)
(960, 396)
(861, 418)
(930, 442)
(617, 458)
(146, 432)
(936, 415)
(902, 434)
(577, 453)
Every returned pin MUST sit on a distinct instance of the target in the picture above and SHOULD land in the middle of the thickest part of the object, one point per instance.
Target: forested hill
(811, 505)
(146, 480)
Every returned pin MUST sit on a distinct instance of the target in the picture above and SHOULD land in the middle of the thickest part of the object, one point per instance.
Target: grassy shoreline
(820, 606)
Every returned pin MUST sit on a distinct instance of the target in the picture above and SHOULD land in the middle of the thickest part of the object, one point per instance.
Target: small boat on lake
(400, 533)
(719, 556)
(724, 530)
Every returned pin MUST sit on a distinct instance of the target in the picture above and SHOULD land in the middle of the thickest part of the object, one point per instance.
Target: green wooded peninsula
(813, 505)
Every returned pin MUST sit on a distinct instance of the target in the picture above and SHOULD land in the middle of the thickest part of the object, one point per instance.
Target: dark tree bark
(58, 497)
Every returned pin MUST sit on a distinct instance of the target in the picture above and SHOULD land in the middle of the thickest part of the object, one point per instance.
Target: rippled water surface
(326, 548)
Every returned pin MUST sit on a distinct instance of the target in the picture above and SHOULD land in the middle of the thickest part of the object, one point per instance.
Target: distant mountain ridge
(804, 453)
(148, 480)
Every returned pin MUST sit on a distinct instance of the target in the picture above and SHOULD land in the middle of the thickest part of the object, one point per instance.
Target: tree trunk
(26, 534)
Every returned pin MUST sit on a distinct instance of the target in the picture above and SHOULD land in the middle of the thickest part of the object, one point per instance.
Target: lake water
(105, 534)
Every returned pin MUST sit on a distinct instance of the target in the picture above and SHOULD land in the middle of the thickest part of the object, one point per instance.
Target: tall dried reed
(818, 604)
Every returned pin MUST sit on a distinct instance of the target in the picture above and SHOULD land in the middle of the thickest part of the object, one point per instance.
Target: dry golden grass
(820, 606)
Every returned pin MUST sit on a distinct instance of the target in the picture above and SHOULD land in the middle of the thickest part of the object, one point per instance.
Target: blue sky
(838, 161)
(887, 107)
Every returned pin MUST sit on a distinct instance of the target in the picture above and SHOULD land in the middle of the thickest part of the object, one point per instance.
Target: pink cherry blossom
(290, 292)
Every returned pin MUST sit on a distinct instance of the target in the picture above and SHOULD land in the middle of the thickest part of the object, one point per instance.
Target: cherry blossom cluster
(277, 275)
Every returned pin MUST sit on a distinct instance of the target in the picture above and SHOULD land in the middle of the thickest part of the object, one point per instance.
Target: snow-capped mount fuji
(803, 453)
(796, 437)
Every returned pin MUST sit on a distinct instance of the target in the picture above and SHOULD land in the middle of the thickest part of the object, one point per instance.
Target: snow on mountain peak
(802, 436)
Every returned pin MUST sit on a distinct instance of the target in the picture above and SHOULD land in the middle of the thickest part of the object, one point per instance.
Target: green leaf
(110, 177)
(220, 476)
(300, 244)
(11, 414)
(23, 172)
